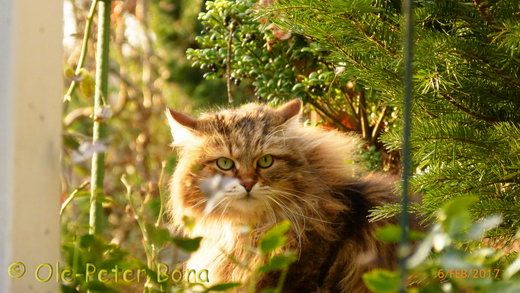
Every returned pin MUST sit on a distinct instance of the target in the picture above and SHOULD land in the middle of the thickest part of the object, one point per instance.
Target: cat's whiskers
(222, 200)
(288, 195)
(272, 214)
(204, 200)
(303, 195)
(286, 211)
(224, 211)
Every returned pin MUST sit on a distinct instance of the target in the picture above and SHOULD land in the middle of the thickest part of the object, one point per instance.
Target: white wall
(30, 126)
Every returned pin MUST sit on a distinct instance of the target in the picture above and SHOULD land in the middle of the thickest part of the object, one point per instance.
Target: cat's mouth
(225, 194)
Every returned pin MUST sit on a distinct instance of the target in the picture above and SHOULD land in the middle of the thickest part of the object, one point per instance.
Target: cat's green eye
(225, 163)
(265, 161)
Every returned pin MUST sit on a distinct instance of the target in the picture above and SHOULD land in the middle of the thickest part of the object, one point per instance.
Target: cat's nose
(248, 185)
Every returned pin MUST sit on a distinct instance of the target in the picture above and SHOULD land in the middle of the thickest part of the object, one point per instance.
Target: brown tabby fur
(313, 182)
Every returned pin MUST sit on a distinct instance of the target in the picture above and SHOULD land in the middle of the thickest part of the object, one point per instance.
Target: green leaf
(382, 281)
(189, 223)
(86, 241)
(453, 260)
(278, 262)
(392, 234)
(87, 85)
(158, 236)
(478, 230)
(187, 244)
(512, 269)
(455, 216)
(389, 233)
(70, 142)
(274, 238)
(297, 87)
(222, 287)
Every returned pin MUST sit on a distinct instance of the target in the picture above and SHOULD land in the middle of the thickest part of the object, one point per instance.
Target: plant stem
(72, 196)
(281, 281)
(161, 196)
(84, 50)
(99, 128)
(149, 247)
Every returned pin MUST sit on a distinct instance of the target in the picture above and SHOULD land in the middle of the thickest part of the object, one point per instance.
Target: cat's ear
(290, 110)
(182, 127)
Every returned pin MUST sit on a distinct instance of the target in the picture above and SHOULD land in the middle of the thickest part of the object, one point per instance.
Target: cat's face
(239, 163)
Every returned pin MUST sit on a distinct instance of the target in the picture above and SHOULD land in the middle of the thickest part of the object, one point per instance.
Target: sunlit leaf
(158, 236)
(278, 262)
(382, 281)
(274, 238)
(478, 230)
(392, 234)
(455, 216)
(512, 269)
(87, 85)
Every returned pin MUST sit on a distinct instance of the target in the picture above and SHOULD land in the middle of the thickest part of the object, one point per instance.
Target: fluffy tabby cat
(278, 169)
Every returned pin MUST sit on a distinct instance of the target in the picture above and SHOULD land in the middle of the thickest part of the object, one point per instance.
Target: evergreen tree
(239, 45)
(466, 132)
(466, 86)
(175, 24)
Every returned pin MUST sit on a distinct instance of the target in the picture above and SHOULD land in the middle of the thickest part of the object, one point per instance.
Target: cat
(269, 168)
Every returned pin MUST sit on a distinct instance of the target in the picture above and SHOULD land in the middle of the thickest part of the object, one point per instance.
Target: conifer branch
(467, 111)
(370, 37)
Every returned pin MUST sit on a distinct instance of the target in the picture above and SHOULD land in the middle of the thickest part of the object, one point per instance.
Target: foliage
(466, 95)
(237, 44)
(457, 253)
(174, 22)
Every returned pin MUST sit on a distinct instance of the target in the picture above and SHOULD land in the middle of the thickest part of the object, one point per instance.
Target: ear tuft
(182, 127)
(182, 119)
(290, 109)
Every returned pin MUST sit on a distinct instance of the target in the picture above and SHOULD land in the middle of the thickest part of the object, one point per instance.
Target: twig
(72, 196)
(76, 114)
(363, 117)
(369, 37)
(466, 110)
(324, 113)
(351, 104)
(375, 130)
(161, 196)
(84, 50)
(148, 246)
(228, 63)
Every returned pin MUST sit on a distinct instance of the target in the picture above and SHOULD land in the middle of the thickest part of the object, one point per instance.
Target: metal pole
(404, 246)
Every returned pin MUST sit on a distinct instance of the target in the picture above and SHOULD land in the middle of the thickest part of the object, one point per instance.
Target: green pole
(404, 246)
(99, 128)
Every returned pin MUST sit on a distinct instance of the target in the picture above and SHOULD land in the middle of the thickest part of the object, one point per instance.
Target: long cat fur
(314, 182)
